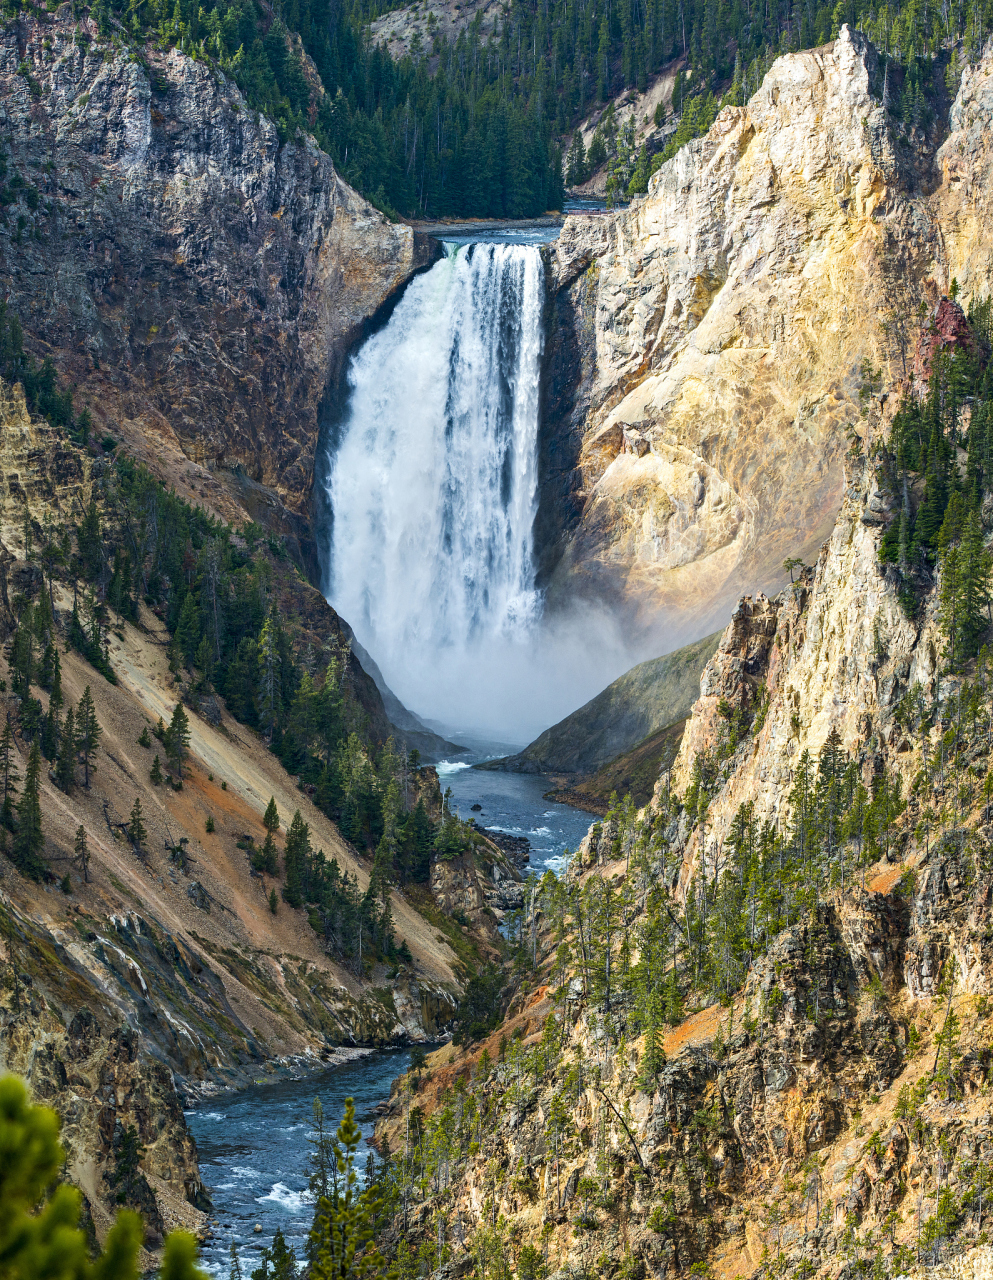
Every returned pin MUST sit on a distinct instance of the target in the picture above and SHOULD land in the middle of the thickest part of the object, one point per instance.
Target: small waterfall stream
(433, 485)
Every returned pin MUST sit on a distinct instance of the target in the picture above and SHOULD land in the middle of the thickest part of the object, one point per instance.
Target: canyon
(721, 363)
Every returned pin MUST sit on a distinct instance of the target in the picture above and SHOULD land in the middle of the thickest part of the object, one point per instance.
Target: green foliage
(176, 738)
(29, 840)
(88, 733)
(478, 1011)
(126, 1174)
(39, 381)
(39, 1236)
(939, 501)
(341, 1243)
(137, 832)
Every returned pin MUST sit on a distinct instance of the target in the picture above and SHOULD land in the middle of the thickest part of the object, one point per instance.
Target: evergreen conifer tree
(21, 662)
(29, 839)
(296, 859)
(65, 764)
(88, 733)
(9, 777)
(81, 853)
(155, 773)
(341, 1237)
(177, 738)
(269, 673)
(136, 826)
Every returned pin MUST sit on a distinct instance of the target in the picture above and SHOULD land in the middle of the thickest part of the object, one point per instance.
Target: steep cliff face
(198, 280)
(708, 343)
(835, 652)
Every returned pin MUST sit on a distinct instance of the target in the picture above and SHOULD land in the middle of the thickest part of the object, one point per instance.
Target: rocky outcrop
(708, 346)
(835, 652)
(199, 280)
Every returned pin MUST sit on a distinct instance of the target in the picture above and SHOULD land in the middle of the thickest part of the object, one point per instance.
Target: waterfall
(433, 484)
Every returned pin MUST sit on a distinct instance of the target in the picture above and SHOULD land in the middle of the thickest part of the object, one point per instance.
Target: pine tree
(65, 764)
(21, 661)
(177, 738)
(82, 853)
(188, 628)
(28, 838)
(267, 859)
(341, 1237)
(203, 660)
(576, 167)
(234, 1269)
(155, 773)
(273, 901)
(269, 673)
(136, 826)
(296, 859)
(653, 1056)
(322, 1171)
(9, 777)
(284, 1263)
(89, 540)
(270, 819)
(88, 733)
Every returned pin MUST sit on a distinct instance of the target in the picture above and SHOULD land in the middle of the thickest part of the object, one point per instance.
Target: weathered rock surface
(707, 343)
(197, 279)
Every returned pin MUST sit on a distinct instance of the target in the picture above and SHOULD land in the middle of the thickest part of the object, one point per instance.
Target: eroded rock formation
(708, 344)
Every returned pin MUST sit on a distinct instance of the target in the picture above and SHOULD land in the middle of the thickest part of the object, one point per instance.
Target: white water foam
(292, 1201)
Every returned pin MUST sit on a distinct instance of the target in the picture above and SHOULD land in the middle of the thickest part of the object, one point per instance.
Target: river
(253, 1152)
(514, 803)
(253, 1143)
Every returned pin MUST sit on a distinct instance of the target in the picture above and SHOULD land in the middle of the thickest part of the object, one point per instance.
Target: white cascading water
(433, 487)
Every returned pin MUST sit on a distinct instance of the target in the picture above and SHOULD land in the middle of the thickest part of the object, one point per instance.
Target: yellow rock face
(731, 311)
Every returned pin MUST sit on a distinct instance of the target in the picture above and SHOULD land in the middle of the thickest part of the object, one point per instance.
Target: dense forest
(478, 125)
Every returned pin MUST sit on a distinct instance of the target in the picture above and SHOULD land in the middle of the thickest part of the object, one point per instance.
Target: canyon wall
(708, 345)
(197, 279)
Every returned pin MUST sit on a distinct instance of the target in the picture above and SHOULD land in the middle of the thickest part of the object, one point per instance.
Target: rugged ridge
(641, 702)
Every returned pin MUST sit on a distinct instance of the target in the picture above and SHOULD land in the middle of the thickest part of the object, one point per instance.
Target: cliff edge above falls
(707, 345)
(199, 281)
